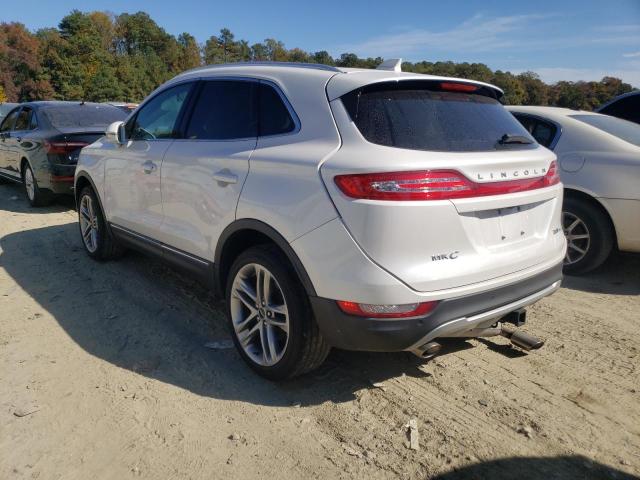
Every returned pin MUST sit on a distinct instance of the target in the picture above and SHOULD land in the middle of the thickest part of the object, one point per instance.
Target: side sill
(201, 268)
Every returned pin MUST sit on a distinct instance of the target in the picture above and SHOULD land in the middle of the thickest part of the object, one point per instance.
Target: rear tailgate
(440, 244)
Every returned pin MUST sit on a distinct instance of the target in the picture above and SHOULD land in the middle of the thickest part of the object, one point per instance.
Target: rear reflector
(61, 178)
(63, 148)
(386, 311)
(434, 185)
(458, 87)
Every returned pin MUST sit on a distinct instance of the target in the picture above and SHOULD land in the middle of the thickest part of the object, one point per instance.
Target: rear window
(69, 116)
(420, 116)
(623, 129)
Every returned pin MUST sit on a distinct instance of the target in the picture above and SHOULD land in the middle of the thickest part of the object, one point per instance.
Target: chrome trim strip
(468, 323)
(160, 244)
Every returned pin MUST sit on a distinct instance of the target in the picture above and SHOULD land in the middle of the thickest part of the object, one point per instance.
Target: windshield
(82, 116)
(623, 129)
(419, 117)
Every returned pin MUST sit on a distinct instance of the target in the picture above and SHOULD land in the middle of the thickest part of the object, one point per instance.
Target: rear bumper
(450, 318)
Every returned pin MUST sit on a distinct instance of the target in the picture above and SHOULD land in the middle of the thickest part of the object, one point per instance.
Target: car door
(19, 147)
(6, 150)
(203, 172)
(132, 170)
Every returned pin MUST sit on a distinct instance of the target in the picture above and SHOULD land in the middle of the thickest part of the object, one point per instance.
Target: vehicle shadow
(620, 275)
(540, 468)
(14, 199)
(143, 316)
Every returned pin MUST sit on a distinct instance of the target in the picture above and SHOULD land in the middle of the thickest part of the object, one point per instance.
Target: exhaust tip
(427, 351)
(524, 340)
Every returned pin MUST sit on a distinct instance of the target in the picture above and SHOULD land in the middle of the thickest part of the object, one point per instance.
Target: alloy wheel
(259, 314)
(578, 238)
(29, 183)
(88, 223)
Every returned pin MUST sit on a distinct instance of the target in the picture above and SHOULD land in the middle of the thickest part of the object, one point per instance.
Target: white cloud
(521, 33)
(631, 55)
(555, 74)
(476, 34)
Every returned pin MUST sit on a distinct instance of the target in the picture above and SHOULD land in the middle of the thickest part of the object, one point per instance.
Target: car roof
(340, 80)
(619, 97)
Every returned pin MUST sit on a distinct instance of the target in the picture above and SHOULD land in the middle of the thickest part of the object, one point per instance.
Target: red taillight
(386, 311)
(433, 185)
(458, 87)
(63, 148)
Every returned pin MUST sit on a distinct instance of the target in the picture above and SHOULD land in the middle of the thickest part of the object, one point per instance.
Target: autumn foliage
(99, 56)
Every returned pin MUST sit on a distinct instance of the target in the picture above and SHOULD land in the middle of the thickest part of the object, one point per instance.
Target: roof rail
(393, 64)
(315, 66)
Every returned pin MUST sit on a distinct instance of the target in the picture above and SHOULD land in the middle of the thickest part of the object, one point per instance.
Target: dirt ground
(104, 374)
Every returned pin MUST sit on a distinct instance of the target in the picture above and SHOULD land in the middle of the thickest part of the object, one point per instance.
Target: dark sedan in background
(40, 143)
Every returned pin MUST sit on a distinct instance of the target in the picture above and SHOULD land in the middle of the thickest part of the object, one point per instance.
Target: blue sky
(570, 40)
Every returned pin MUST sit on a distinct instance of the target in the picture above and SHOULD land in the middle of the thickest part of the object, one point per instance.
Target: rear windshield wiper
(509, 139)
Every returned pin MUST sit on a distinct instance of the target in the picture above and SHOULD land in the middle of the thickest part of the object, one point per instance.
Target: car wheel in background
(589, 236)
(36, 196)
(270, 316)
(97, 240)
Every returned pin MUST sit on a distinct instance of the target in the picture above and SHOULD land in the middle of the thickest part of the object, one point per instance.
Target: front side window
(157, 119)
(423, 116)
(9, 121)
(24, 119)
(224, 110)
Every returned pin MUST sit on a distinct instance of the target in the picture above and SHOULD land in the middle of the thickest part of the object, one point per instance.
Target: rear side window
(275, 118)
(627, 108)
(623, 129)
(420, 116)
(543, 132)
(79, 116)
(224, 110)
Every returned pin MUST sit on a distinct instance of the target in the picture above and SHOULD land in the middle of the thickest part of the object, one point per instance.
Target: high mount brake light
(458, 87)
(434, 185)
(386, 311)
(63, 148)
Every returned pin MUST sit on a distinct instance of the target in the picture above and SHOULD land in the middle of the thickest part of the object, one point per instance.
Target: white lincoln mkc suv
(333, 207)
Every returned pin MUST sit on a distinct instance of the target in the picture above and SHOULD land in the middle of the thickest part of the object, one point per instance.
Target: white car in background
(359, 209)
(599, 159)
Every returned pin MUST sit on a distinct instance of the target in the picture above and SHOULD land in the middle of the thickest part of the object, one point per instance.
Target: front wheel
(270, 317)
(589, 236)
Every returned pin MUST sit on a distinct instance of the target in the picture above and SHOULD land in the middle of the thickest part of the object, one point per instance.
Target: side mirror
(115, 133)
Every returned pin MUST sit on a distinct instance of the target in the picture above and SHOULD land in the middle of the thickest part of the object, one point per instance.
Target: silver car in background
(599, 159)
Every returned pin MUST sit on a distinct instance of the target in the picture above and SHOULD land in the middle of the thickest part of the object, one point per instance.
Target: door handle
(149, 166)
(224, 176)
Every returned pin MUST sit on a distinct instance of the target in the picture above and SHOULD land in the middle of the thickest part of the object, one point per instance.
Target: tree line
(99, 56)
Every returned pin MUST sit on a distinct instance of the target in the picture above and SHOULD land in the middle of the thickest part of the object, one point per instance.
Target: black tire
(306, 349)
(600, 230)
(40, 197)
(106, 246)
